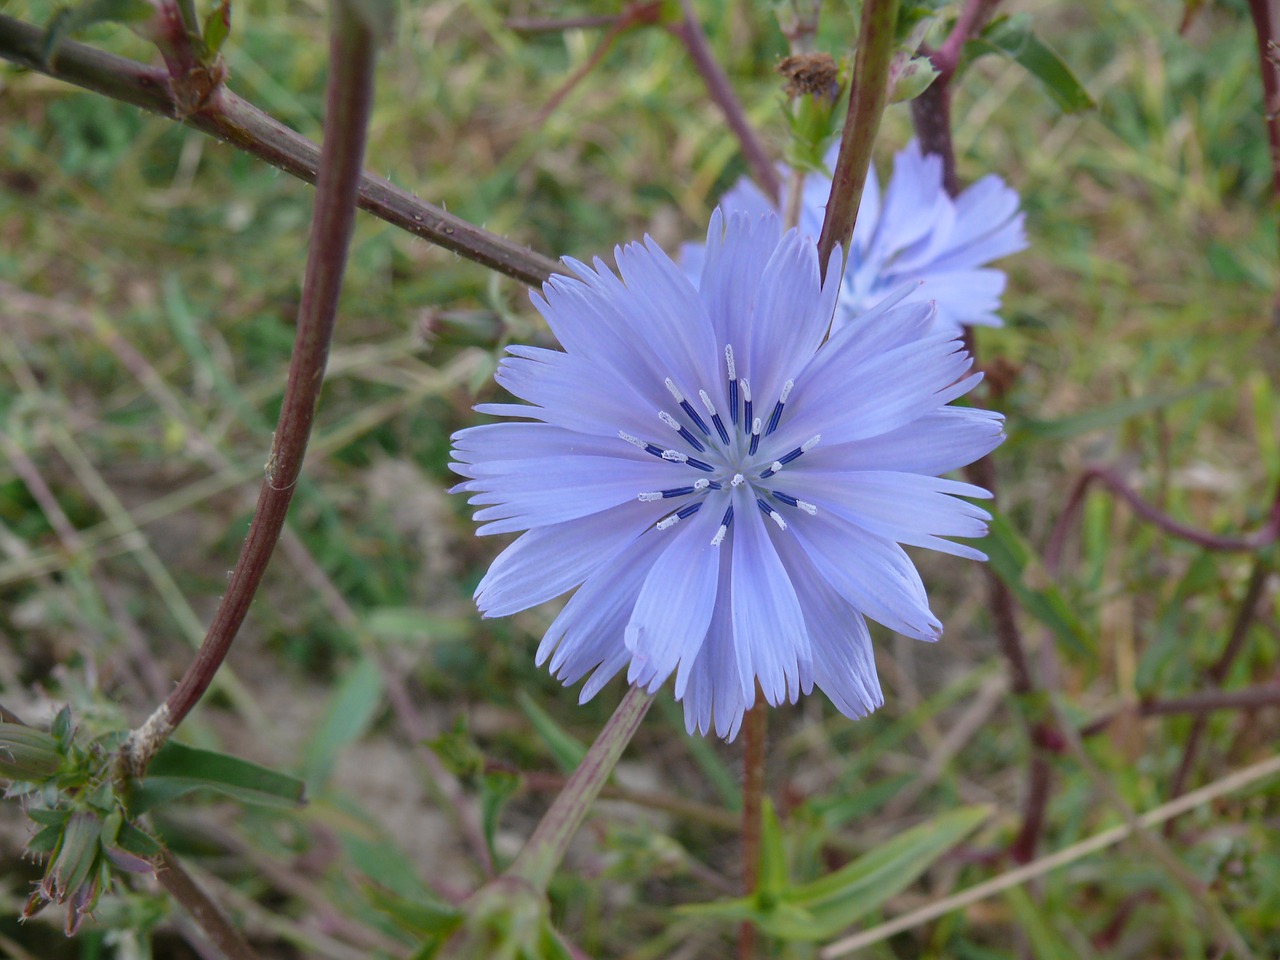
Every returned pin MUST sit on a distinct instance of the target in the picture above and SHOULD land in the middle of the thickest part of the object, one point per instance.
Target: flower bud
(27, 753)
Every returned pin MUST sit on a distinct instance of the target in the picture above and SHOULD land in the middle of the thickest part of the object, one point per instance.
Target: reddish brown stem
(1217, 673)
(229, 118)
(1246, 698)
(755, 726)
(931, 111)
(689, 32)
(349, 97)
(207, 914)
(1262, 537)
(1264, 26)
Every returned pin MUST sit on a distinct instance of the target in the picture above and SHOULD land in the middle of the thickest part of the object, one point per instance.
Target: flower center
(728, 456)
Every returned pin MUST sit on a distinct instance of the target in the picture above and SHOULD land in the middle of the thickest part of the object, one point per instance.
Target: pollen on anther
(675, 391)
(811, 443)
(650, 496)
(706, 402)
(786, 391)
(675, 456)
(738, 480)
(723, 529)
(728, 361)
(666, 523)
(701, 484)
(634, 441)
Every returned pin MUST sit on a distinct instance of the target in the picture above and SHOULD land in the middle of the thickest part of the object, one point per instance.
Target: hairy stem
(349, 97)
(203, 910)
(690, 33)
(866, 105)
(231, 119)
(1217, 674)
(541, 856)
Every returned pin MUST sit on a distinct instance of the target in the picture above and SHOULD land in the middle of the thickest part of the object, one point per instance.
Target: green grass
(1150, 275)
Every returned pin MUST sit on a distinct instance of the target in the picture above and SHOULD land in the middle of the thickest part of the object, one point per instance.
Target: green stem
(541, 856)
(866, 105)
(350, 93)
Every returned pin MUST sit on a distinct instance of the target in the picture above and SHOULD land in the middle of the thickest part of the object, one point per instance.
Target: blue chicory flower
(727, 489)
(916, 234)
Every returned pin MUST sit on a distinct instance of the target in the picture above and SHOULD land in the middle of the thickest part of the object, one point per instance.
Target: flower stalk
(867, 98)
(349, 99)
(541, 856)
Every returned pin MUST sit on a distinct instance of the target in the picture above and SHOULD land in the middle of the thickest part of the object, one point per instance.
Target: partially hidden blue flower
(726, 489)
(915, 234)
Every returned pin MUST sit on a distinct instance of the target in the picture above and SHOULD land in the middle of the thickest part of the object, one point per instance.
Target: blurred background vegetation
(148, 283)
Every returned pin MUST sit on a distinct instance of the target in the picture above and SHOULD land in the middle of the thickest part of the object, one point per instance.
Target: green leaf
(496, 788)
(418, 915)
(566, 749)
(910, 78)
(217, 27)
(773, 855)
(178, 770)
(1012, 37)
(853, 891)
(1014, 562)
(385, 864)
(70, 20)
(1100, 418)
(45, 840)
(1046, 943)
(350, 712)
(818, 910)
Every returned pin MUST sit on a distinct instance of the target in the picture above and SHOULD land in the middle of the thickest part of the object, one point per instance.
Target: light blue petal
(871, 573)
(769, 634)
(669, 317)
(710, 688)
(844, 665)
(738, 248)
(575, 394)
(903, 507)
(520, 441)
(938, 442)
(589, 630)
(843, 396)
(791, 318)
(536, 493)
(673, 610)
(548, 561)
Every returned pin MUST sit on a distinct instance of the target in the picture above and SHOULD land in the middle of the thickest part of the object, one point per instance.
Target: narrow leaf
(178, 770)
(70, 20)
(1099, 418)
(773, 856)
(566, 749)
(350, 712)
(1014, 562)
(1012, 37)
(841, 898)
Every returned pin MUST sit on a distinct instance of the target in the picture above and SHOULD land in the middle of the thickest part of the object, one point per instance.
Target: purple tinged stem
(542, 854)
(239, 123)
(349, 98)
